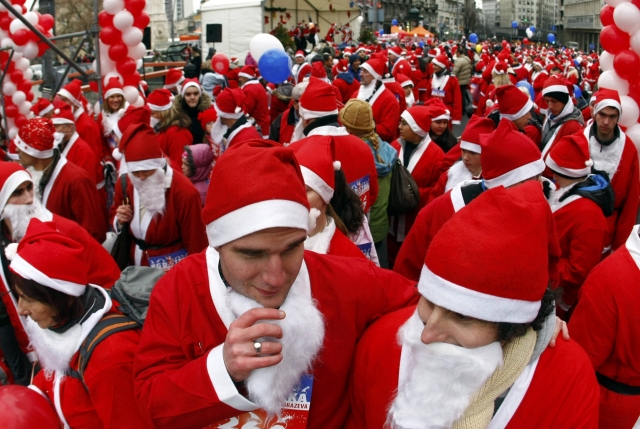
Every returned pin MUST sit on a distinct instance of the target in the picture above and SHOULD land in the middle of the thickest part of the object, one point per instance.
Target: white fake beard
(298, 132)
(218, 130)
(440, 381)
(366, 91)
(36, 176)
(109, 120)
(302, 337)
(151, 191)
(54, 350)
(410, 99)
(19, 216)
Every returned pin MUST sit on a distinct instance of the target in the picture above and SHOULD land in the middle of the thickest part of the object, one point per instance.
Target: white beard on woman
(302, 336)
(19, 216)
(151, 191)
(410, 99)
(439, 380)
(54, 350)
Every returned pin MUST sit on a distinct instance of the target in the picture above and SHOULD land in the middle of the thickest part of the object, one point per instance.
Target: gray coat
(463, 69)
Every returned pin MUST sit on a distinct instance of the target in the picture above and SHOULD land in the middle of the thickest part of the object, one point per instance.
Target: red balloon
(118, 52)
(18, 2)
(21, 37)
(606, 15)
(47, 21)
(30, 96)
(11, 110)
(34, 36)
(525, 41)
(126, 67)
(626, 64)
(105, 19)
(42, 48)
(135, 6)
(141, 21)
(132, 79)
(25, 86)
(20, 120)
(5, 22)
(17, 76)
(110, 35)
(613, 39)
(220, 63)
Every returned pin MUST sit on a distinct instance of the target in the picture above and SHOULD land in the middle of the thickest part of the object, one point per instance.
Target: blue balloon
(576, 63)
(551, 38)
(380, 32)
(473, 38)
(533, 29)
(514, 24)
(351, 4)
(394, 22)
(421, 43)
(275, 66)
(592, 46)
(577, 92)
(525, 84)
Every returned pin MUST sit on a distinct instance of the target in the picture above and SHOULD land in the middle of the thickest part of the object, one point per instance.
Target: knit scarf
(516, 354)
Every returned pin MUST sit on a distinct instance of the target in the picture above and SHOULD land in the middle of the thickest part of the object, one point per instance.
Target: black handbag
(404, 194)
(122, 246)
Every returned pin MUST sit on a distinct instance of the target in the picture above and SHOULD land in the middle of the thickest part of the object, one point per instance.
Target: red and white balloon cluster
(620, 60)
(16, 83)
(121, 47)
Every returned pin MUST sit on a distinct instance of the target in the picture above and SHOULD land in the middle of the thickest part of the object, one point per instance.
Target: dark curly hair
(508, 331)
(345, 208)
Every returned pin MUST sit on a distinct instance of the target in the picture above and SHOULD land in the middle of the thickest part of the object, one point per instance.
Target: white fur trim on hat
(460, 299)
(146, 164)
(29, 272)
(257, 217)
(406, 83)
(187, 85)
(569, 172)
(313, 114)
(66, 94)
(395, 54)
(520, 113)
(156, 108)
(40, 154)
(11, 184)
(113, 91)
(438, 63)
(46, 110)
(316, 183)
(607, 102)
(370, 69)
(446, 116)
(471, 147)
(517, 175)
(226, 115)
(61, 121)
(555, 88)
(176, 84)
(413, 125)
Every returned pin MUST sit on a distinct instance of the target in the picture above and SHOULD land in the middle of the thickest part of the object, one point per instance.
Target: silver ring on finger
(258, 347)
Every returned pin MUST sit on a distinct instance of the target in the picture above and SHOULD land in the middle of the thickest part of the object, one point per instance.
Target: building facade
(581, 23)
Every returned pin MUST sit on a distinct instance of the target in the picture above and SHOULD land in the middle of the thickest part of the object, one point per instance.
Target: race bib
(294, 414)
(166, 262)
(361, 188)
(365, 248)
(437, 93)
(473, 87)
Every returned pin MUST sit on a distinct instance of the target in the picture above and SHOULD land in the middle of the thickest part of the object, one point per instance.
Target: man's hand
(561, 325)
(124, 214)
(238, 352)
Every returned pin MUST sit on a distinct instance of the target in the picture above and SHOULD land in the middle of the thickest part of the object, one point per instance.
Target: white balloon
(16, 57)
(606, 61)
(2, 8)
(32, 17)
(614, 3)
(13, 132)
(132, 36)
(111, 74)
(139, 64)
(131, 94)
(360, 19)
(30, 50)
(24, 108)
(18, 98)
(630, 112)
(18, 48)
(9, 88)
(104, 49)
(627, 17)
(123, 20)
(16, 25)
(529, 33)
(610, 79)
(7, 43)
(96, 108)
(262, 43)
(94, 65)
(137, 51)
(106, 66)
(139, 102)
(28, 74)
(3, 34)
(635, 42)
(633, 132)
(113, 6)
(22, 63)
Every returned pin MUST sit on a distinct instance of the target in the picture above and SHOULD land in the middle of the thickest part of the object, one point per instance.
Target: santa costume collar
(320, 243)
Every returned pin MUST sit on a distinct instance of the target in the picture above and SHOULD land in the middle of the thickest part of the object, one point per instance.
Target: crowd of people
(238, 253)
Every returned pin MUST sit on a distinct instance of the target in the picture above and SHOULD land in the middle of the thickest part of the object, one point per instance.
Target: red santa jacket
(232, 77)
(401, 66)
(386, 112)
(256, 104)
(78, 151)
(105, 125)
(172, 141)
(606, 324)
(243, 133)
(90, 132)
(346, 89)
(398, 92)
(521, 73)
(457, 173)
(72, 194)
(179, 229)
(341, 246)
(565, 129)
(447, 88)
(175, 364)
(537, 80)
(560, 382)
(286, 129)
(620, 161)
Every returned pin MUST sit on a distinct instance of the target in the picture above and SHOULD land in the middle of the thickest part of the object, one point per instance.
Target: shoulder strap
(110, 324)
(123, 183)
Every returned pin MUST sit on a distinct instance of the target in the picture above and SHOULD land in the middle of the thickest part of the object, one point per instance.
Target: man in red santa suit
(259, 312)
(615, 154)
(86, 126)
(62, 187)
(386, 110)
(232, 125)
(422, 158)
(256, 103)
(516, 106)
(606, 324)
(538, 76)
(43, 108)
(344, 81)
(282, 130)
(508, 159)
(446, 87)
(172, 81)
(397, 63)
(160, 208)
(62, 309)
(579, 202)
(477, 333)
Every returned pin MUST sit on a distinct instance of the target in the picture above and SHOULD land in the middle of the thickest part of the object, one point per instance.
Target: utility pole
(171, 17)
(48, 76)
(375, 16)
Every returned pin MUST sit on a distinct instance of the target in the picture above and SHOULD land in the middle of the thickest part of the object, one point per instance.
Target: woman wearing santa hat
(440, 131)
(171, 126)
(191, 101)
(62, 310)
(445, 87)
(113, 109)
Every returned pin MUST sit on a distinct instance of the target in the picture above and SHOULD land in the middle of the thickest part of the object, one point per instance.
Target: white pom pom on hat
(337, 165)
(11, 251)
(313, 217)
(117, 155)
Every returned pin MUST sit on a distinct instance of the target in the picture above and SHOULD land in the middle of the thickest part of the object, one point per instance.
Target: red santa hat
(477, 126)
(299, 54)
(508, 156)
(506, 280)
(13, 151)
(264, 203)
(375, 67)
(570, 156)
(512, 103)
(173, 78)
(159, 100)
(419, 52)
(113, 87)
(607, 98)
(403, 80)
(188, 83)
(396, 51)
(207, 116)
(316, 155)
(500, 68)
(441, 60)
(42, 107)
(12, 175)
(140, 148)
(229, 103)
(419, 119)
(303, 71)
(317, 100)
(318, 70)
(433, 53)
(342, 66)
(35, 138)
(51, 259)
(248, 72)
(63, 115)
(555, 84)
(133, 115)
(72, 92)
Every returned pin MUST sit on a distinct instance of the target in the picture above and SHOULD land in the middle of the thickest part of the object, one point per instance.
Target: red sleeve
(627, 217)
(438, 189)
(250, 102)
(192, 231)
(533, 133)
(177, 138)
(456, 114)
(85, 203)
(387, 126)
